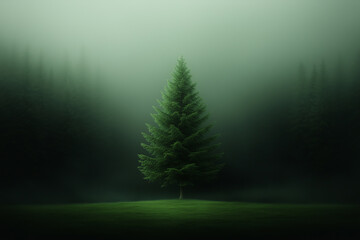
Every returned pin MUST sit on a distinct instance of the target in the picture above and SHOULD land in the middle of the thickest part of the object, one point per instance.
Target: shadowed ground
(182, 219)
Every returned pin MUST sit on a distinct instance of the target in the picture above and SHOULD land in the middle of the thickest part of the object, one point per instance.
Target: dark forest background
(64, 140)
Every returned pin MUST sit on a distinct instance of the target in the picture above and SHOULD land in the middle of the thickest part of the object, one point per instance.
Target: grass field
(182, 219)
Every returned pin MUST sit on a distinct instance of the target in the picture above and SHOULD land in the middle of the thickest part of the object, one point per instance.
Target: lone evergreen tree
(180, 152)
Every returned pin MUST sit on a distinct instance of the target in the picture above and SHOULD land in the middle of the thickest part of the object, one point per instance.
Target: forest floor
(181, 219)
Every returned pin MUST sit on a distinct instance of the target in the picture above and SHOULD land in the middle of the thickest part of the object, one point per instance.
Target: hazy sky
(224, 42)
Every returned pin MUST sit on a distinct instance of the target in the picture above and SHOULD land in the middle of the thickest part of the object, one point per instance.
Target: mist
(116, 57)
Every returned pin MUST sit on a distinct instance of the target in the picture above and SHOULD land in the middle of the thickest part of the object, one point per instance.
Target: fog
(244, 55)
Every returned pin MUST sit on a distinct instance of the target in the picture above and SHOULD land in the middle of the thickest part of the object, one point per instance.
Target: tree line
(53, 124)
(306, 130)
(324, 118)
(55, 121)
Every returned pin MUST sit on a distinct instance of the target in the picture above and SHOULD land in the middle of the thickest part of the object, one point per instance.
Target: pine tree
(300, 107)
(180, 152)
(314, 119)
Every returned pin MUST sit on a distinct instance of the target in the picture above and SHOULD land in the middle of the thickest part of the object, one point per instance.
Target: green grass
(187, 219)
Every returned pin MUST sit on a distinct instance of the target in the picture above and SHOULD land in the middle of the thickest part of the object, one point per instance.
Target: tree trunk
(181, 193)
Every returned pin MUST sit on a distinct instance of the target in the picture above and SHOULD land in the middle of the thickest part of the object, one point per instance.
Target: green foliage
(180, 152)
